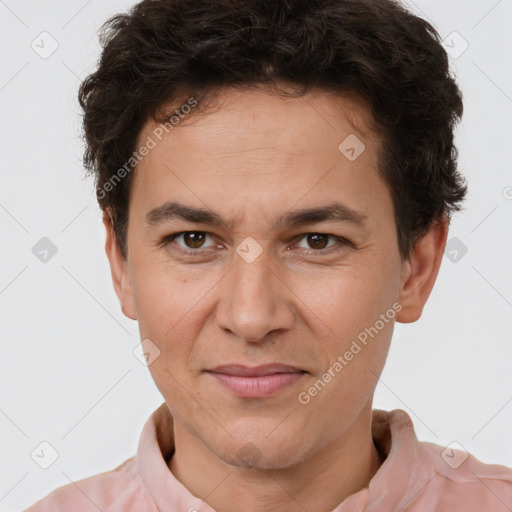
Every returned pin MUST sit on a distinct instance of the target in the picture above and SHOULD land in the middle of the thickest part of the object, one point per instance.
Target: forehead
(243, 137)
(256, 114)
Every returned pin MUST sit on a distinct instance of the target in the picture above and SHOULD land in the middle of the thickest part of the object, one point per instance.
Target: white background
(68, 375)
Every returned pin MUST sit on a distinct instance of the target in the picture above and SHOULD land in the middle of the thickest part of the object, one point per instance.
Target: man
(277, 179)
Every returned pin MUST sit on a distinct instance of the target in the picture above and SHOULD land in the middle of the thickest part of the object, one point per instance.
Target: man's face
(253, 291)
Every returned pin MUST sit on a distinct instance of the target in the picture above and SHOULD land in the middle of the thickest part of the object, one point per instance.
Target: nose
(254, 300)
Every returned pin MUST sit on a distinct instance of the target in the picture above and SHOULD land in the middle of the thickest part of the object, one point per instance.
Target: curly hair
(164, 50)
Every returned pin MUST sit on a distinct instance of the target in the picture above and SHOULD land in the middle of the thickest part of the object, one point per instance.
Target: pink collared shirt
(416, 476)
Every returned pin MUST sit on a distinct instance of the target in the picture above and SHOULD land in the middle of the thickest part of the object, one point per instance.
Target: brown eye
(190, 241)
(194, 239)
(317, 240)
(321, 242)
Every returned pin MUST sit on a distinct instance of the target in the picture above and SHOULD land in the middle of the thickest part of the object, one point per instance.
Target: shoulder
(458, 478)
(120, 489)
(429, 476)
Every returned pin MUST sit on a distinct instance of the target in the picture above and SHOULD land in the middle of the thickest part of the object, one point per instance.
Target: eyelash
(170, 238)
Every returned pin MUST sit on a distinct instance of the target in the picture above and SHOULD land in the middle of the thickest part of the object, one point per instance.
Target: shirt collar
(156, 446)
(393, 435)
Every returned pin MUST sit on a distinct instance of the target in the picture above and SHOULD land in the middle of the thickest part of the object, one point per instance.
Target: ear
(119, 269)
(420, 271)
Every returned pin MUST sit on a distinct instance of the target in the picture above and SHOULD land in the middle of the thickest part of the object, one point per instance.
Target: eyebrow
(332, 212)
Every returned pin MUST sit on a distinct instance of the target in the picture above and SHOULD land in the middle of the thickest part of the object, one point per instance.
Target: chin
(259, 450)
(252, 457)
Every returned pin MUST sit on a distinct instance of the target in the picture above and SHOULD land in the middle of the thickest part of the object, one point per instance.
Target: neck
(318, 483)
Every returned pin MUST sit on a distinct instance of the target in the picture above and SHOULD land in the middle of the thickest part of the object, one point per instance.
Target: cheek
(346, 299)
(173, 304)
(351, 306)
(168, 307)
(169, 298)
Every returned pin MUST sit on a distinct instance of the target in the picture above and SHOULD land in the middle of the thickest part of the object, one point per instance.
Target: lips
(256, 382)
(256, 371)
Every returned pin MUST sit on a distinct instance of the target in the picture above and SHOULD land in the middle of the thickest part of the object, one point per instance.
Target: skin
(251, 157)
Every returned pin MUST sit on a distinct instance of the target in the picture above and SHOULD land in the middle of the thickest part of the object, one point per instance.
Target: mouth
(258, 381)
